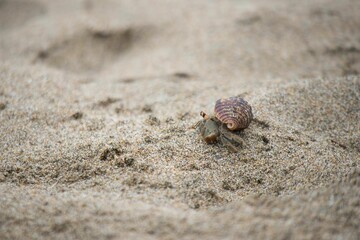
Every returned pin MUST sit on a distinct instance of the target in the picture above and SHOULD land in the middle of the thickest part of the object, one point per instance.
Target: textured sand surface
(97, 98)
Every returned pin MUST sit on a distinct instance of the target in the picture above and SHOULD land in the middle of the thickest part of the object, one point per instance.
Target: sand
(97, 100)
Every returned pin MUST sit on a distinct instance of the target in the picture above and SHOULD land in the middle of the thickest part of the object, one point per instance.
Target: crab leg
(231, 136)
(228, 137)
(195, 125)
(228, 144)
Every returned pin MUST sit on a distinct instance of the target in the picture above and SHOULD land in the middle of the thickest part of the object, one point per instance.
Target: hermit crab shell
(235, 112)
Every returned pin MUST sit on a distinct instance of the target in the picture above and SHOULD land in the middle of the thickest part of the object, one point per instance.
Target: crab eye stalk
(204, 115)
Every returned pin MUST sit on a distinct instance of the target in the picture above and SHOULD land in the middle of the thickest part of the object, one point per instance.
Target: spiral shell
(235, 112)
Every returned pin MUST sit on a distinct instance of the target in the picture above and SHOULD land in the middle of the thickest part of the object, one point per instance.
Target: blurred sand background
(97, 97)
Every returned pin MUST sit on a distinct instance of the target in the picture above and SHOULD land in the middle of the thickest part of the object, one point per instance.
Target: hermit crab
(231, 114)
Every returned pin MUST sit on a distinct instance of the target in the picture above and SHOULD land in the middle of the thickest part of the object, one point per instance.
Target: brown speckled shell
(235, 112)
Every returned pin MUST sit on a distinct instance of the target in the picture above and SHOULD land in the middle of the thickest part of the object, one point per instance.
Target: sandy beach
(97, 100)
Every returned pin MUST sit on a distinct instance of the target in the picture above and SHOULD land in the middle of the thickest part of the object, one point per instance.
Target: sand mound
(326, 108)
(329, 212)
(285, 149)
